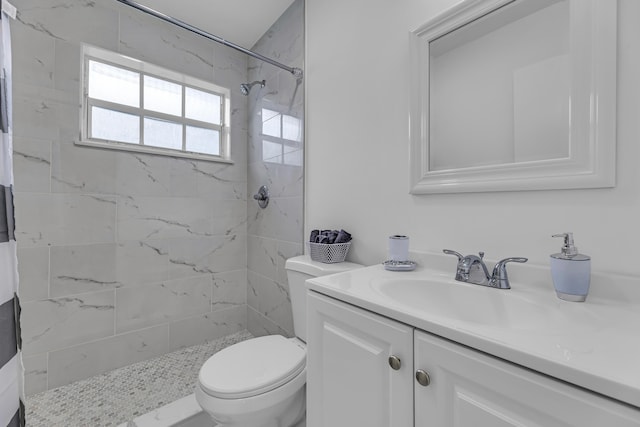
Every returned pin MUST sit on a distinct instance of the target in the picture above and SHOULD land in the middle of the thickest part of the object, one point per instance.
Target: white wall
(357, 178)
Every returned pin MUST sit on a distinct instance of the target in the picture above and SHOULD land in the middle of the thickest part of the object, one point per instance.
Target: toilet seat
(252, 367)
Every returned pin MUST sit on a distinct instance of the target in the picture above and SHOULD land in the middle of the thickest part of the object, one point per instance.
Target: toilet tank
(299, 269)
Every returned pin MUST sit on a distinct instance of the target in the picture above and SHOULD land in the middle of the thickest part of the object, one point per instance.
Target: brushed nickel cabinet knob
(394, 362)
(423, 378)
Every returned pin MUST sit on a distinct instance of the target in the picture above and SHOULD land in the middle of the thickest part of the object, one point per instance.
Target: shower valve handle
(262, 197)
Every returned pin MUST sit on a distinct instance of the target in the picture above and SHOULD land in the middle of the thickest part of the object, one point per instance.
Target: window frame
(142, 68)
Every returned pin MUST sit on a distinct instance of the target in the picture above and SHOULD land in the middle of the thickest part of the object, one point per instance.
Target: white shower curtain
(10, 359)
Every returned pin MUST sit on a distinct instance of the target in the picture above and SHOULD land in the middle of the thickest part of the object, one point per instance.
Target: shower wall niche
(122, 256)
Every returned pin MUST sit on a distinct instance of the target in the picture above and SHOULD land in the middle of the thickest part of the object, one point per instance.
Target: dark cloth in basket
(343, 237)
(329, 236)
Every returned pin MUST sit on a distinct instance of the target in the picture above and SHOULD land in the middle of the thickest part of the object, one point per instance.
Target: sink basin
(464, 302)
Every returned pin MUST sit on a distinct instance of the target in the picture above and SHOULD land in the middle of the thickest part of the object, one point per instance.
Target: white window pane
(162, 96)
(114, 126)
(114, 84)
(291, 148)
(206, 141)
(160, 133)
(271, 152)
(203, 106)
(271, 123)
(268, 114)
(291, 128)
(293, 158)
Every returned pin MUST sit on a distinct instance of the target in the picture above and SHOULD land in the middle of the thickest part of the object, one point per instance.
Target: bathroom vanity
(421, 349)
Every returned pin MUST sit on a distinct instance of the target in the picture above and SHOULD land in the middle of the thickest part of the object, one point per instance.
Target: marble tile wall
(275, 233)
(122, 256)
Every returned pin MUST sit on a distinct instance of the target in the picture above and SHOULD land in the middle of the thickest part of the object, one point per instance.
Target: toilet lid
(252, 367)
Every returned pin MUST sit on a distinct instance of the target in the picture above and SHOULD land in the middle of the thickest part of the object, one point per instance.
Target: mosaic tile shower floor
(125, 393)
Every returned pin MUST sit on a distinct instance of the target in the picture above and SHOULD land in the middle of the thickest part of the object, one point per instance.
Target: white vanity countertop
(595, 344)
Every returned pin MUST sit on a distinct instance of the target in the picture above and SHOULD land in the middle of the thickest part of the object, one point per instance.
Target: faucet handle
(513, 259)
(499, 278)
(450, 252)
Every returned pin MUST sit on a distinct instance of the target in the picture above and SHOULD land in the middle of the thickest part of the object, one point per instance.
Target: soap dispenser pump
(571, 271)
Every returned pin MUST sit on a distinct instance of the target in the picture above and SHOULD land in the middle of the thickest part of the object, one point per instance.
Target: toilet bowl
(253, 381)
(260, 382)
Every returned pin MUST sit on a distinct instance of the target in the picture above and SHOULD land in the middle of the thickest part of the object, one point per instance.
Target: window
(132, 105)
(281, 138)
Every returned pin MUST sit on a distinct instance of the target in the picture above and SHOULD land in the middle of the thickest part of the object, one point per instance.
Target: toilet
(260, 382)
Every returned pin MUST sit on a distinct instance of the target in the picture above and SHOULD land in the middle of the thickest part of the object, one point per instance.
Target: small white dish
(399, 265)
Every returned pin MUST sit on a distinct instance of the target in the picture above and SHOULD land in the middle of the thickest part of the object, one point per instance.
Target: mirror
(514, 95)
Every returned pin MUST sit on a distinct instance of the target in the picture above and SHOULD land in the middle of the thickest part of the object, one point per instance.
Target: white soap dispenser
(571, 271)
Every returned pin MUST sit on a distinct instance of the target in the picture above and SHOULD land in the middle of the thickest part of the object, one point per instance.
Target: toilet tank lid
(304, 264)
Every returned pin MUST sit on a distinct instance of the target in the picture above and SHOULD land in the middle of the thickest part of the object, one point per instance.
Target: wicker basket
(329, 253)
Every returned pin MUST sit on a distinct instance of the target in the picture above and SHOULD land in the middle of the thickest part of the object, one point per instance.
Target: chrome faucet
(472, 269)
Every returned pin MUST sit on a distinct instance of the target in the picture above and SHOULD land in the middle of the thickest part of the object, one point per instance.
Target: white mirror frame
(592, 151)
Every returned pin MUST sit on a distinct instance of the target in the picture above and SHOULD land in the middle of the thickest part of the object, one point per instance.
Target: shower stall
(127, 256)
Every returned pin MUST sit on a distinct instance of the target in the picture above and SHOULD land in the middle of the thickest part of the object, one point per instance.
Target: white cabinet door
(471, 389)
(349, 379)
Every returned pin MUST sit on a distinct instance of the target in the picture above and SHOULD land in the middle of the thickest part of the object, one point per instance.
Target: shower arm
(295, 72)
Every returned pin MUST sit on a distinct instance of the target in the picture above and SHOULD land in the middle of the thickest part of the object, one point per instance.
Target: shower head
(245, 88)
